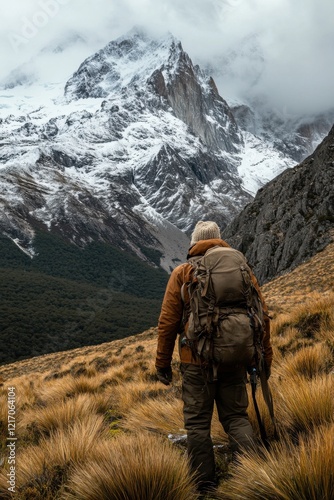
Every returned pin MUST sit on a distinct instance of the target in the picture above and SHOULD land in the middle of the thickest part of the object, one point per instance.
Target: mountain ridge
(139, 148)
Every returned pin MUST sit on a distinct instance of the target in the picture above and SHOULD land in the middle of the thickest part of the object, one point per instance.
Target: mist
(279, 52)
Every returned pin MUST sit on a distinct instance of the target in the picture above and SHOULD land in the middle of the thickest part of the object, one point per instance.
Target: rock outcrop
(291, 218)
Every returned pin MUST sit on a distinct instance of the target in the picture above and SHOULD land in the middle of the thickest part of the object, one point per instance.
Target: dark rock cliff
(291, 218)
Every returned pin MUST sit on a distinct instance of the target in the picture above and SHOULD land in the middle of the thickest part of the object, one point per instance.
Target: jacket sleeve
(267, 348)
(170, 319)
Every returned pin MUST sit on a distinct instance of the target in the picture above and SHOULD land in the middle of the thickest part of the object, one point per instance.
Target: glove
(165, 375)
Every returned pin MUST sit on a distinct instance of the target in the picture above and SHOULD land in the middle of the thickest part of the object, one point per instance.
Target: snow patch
(260, 162)
(28, 251)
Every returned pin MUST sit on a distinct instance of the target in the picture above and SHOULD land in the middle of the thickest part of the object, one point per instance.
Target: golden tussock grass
(63, 446)
(306, 324)
(68, 387)
(309, 362)
(133, 370)
(26, 398)
(304, 404)
(136, 392)
(158, 415)
(134, 467)
(287, 472)
(313, 314)
(326, 334)
(43, 467)
(291, 341)
(81, 415)
(27, 389)
(59, 415)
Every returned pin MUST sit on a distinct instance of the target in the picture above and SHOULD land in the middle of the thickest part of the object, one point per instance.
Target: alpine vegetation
(94, 423)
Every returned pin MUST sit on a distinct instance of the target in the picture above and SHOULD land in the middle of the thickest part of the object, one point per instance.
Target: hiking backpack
(224, 312)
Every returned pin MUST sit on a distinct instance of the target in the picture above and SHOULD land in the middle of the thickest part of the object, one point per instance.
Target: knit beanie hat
(205, 230)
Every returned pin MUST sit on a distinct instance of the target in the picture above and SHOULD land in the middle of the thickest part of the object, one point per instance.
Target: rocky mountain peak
(125, 62)
(136, 61)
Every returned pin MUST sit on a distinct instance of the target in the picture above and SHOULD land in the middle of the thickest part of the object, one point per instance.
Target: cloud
(280, 50)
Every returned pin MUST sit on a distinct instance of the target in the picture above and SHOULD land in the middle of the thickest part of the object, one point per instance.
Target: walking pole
(253, 381)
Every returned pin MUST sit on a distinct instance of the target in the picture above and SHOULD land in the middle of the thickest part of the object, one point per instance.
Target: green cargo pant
(199, 394)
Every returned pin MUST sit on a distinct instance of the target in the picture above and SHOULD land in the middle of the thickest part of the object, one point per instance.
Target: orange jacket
(170, 320)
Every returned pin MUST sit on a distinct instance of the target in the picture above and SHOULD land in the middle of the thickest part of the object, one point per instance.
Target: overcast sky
(281, 49)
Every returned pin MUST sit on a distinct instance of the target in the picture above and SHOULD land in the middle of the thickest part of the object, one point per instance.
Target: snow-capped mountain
(139, 147)
(133, 149)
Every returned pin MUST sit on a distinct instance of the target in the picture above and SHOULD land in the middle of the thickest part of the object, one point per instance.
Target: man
(199, 389)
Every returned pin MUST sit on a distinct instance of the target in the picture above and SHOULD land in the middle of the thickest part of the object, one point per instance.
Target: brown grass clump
(136, 393)
(326, 333)
(68, 387)
(134, 467)
(27, 392)
(43, 468)
(306, 324)
(287, 472)
(60, 415)
(304, 404)
(311, 316)
(159, 415)
(309, 362)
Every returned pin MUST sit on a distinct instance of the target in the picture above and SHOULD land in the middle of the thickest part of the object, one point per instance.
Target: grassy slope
(86, 403)
(316, 276)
